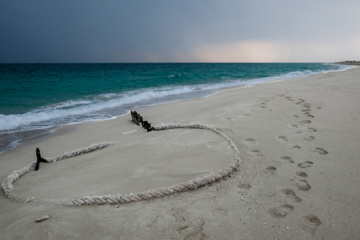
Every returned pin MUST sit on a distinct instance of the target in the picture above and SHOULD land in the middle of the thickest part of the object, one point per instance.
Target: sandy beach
(298, 177)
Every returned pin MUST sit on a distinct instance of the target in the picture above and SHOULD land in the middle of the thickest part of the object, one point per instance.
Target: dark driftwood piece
(138, 119)
(39, 159)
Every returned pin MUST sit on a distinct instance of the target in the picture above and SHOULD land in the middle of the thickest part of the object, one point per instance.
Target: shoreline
(297, 179)
(50, 130)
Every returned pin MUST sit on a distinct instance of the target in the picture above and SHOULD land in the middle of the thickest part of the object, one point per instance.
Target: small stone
(43, 218)
(116, 206)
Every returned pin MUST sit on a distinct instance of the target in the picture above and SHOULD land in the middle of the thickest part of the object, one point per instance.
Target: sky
(94, 31)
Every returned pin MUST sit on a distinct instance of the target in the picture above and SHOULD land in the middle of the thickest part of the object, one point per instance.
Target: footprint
(179, 215)
(281, 211)
(309, 115)
(193, 230)
(290, 194)
(301, 174)
(320, 151)
(270, 169)
(256, 152)
(282, 138)
(296, 132)
(296, 116)
(305, 121)
(312, 130)
(244, 185)
(307, 105)
(301, 101)
(295, 147)
(305, 164)
(289, 98)
(303, 185)
(310, 138)
(287, 158)
(293, 126)
(310, 223)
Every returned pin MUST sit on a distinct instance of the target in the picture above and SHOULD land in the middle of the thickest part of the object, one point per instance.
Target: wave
(175, 76)
(78, 110)
(109, 105)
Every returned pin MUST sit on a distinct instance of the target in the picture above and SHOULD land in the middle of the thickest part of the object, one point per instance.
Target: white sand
(299, 143)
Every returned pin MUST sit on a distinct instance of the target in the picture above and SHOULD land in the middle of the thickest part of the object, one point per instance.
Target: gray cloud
(167, 31)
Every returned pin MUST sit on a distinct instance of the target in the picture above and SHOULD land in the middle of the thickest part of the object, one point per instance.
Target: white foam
(88, 109)
(11, 145)
(85, 107)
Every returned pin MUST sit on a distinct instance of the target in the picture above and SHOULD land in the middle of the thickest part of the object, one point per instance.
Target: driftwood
(138, 119)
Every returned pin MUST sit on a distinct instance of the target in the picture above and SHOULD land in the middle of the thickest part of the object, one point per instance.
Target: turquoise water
(36, 97)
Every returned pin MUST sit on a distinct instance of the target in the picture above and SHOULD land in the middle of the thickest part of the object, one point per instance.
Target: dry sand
(299, 176)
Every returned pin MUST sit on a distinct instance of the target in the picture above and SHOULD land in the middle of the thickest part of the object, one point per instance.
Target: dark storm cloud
(142, 31)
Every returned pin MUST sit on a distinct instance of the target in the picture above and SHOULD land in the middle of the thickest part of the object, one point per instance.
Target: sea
(36, 98)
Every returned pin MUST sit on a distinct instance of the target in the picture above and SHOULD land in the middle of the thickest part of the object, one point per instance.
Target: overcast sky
(179, 31)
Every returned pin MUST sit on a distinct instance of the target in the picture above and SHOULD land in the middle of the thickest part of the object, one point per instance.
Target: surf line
(193, 184)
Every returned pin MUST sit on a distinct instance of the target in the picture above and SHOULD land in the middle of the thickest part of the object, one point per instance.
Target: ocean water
(35, 98)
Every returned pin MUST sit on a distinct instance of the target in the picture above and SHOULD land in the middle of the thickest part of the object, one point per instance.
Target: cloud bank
(179, 31)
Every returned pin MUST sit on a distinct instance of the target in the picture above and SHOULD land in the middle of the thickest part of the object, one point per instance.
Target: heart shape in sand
(119, 198)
